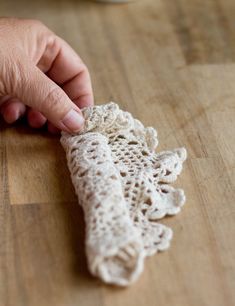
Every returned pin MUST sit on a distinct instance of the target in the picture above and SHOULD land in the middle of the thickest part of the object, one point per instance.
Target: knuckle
(83, 67)
(34, 22)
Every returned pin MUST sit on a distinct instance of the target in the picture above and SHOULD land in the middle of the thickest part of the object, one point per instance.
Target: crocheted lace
(122, 185)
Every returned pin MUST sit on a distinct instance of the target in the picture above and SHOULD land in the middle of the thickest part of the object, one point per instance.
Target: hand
(41, 76)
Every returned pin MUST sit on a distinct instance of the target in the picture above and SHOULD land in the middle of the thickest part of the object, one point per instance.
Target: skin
(41, 77)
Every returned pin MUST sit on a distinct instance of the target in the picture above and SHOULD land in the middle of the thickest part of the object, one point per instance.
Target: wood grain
(170, 63)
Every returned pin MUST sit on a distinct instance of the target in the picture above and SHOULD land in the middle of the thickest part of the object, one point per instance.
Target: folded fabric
(122, 185)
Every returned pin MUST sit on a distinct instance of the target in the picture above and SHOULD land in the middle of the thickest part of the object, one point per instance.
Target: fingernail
(73, 121)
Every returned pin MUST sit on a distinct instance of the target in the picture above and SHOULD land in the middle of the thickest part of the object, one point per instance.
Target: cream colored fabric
(122, 185)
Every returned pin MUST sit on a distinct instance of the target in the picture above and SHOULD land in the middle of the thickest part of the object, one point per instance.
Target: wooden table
(170, 63)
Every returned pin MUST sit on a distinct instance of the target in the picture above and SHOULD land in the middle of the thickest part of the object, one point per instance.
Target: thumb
(39, 92)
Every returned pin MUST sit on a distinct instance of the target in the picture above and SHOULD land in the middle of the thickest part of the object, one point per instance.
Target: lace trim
(122, 185)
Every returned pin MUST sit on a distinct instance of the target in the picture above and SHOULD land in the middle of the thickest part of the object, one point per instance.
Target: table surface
(171, 64)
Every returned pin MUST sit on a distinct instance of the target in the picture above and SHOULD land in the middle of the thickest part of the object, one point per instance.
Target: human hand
(41, 76)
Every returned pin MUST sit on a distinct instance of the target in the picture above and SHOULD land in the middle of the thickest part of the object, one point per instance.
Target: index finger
(66, 68)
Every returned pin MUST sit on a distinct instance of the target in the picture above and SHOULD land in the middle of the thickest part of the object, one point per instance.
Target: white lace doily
(122, 185)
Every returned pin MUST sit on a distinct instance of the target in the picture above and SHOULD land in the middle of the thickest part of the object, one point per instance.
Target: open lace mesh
(122, 185)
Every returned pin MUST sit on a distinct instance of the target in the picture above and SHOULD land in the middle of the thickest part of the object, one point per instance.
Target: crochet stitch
(122, 185)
